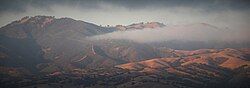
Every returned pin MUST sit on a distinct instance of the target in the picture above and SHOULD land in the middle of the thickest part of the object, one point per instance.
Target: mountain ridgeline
(46, 42)
(62, 51)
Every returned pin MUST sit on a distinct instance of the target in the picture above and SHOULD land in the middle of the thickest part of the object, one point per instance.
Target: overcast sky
(233, 14)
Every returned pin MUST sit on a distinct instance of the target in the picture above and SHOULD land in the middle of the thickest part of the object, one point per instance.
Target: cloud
(113, 12)
(18, 5)
(192, 32)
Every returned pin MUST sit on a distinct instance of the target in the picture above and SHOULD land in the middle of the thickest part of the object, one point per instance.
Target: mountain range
(44, 51)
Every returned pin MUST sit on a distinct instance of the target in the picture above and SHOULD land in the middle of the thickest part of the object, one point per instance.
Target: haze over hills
(141, 25)
(44, 51)
(190, 36)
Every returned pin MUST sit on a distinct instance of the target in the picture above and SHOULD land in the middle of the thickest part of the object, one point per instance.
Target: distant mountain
(136, 26)
(47, 44)
(39, 39)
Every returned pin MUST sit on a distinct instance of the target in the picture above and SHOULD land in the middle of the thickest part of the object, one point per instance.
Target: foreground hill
(226, 58)
(201, 67)
(204, 68)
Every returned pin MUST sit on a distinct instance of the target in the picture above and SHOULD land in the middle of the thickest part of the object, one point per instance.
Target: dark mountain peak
(140, 26)
(26, 26)
(42, 21)
(40, 25)
(39, 21)
(36, 19)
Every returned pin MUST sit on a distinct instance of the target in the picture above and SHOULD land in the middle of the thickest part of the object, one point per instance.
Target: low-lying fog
(192, 32)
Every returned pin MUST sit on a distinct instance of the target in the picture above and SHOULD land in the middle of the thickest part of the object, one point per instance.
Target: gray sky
(233, 14)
